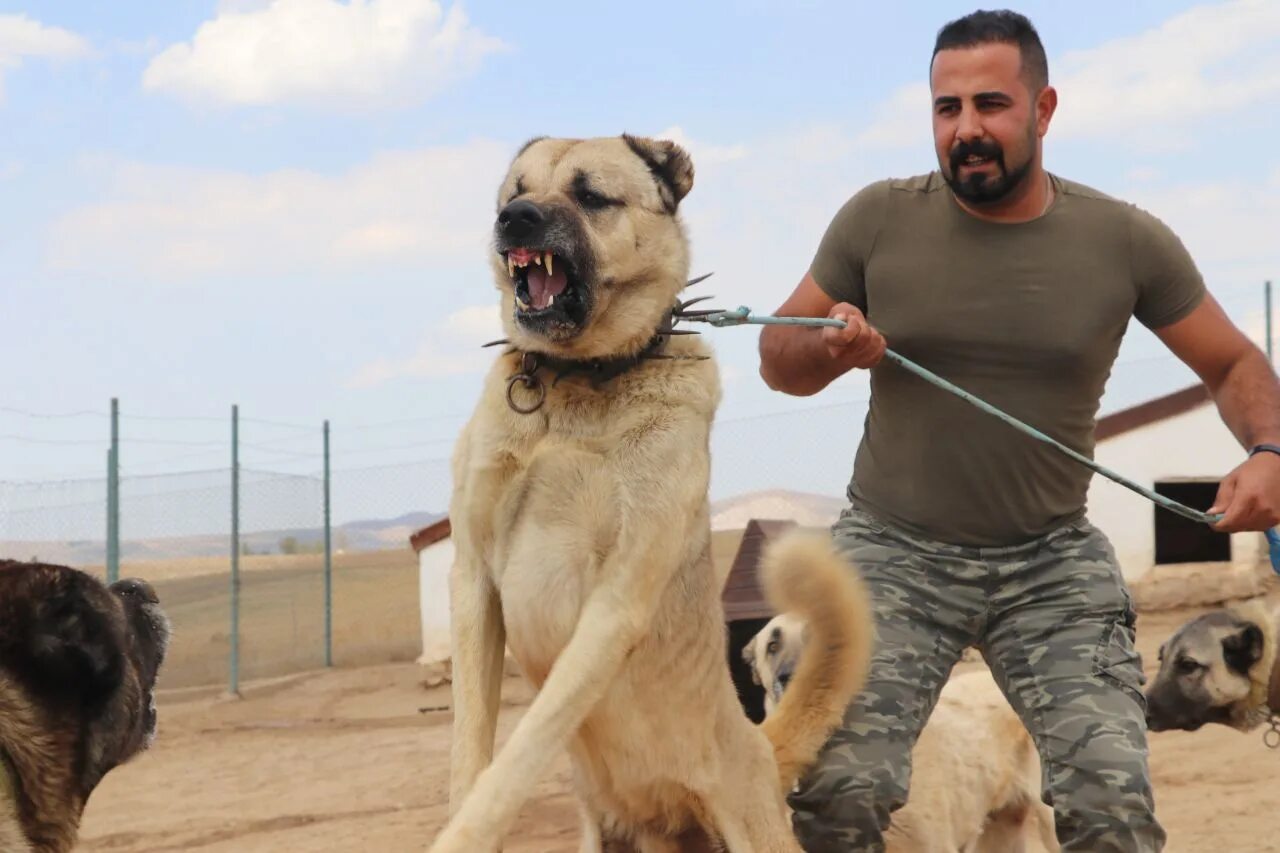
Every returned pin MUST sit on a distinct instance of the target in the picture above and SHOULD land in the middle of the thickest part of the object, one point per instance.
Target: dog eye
(1186, 666)
(773, 647)
(592, 200)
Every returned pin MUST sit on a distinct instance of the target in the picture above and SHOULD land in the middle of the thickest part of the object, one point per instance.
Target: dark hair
(1004, 27)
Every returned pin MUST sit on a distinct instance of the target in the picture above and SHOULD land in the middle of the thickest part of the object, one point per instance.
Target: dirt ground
(357, 759)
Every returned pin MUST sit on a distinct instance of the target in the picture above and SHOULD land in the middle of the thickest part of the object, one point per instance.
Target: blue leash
(742, 315)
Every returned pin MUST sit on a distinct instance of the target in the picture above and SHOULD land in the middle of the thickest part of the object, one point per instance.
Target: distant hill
(380, 534)
(354, 536)
(806, 509)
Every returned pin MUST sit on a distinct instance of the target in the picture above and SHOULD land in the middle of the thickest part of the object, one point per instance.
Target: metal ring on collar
(531, 382)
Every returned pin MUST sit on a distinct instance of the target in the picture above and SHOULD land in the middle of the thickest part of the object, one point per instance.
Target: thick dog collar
(598, 370)
(1264, 448)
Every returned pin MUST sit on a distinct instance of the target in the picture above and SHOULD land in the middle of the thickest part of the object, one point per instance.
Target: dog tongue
(543, 287)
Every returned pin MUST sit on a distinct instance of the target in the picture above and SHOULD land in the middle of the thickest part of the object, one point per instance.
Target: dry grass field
(375, 613)
(356, 758)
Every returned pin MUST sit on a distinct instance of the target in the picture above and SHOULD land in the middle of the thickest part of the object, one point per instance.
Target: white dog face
(773, 654)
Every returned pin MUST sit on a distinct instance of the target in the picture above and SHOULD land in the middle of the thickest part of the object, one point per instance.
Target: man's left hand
(1249, 497)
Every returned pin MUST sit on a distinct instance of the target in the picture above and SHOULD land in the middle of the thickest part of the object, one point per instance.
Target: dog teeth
(551, 300)
(548, 259)
(524, 306)
(537, 259)
(511, 266)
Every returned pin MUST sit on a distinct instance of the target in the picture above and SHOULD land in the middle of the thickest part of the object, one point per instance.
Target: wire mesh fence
(266, 571)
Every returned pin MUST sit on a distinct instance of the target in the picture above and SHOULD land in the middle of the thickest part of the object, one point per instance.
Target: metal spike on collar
(700, 278)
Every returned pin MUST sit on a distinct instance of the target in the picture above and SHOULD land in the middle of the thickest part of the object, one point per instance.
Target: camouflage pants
(1054, 620)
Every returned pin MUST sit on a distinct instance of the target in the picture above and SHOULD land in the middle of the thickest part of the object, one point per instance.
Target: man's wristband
(1264, 448)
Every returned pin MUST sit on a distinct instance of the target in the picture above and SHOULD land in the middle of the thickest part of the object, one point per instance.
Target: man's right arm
(802, 360)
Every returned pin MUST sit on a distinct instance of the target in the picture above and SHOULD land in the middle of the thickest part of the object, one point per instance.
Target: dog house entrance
(1181, 540)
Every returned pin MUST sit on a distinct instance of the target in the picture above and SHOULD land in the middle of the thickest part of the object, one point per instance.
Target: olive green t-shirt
(1027, 317)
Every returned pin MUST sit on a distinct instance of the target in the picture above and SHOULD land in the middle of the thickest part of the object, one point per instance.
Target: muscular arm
(1247, 394)
(802, 360)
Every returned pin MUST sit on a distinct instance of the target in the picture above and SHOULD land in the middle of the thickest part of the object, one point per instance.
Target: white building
(1178, 446)
(434, 547)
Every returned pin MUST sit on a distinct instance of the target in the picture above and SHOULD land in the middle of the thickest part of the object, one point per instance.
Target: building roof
(742, 597)
(431, 534)
(1152, 411)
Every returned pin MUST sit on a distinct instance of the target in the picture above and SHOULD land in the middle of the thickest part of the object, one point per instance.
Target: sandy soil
(357, 759)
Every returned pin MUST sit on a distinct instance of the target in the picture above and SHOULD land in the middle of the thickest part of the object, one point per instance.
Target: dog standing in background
(78, 668)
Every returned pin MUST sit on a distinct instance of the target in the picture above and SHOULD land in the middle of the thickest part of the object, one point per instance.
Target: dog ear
(75, 645)
(1243, 648)
(671, 165)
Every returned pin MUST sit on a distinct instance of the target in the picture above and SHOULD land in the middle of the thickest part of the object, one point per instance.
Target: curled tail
(803, 573)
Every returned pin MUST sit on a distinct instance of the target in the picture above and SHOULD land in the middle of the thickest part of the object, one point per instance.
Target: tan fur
(12, 836)
(583, 543)
(1247, 715)
(40, 758)
(975, 780)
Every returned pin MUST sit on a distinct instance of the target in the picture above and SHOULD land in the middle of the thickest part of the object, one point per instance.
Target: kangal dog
(581, 523)
(975, 774)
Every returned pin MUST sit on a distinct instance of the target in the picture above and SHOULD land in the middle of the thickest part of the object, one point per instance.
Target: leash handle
(742, 314)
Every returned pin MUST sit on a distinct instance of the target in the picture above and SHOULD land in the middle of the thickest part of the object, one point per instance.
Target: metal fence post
(234, 687)
(328, 559)
(113, 496)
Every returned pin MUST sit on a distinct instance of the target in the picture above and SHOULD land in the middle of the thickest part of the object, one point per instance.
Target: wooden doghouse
(745, 609)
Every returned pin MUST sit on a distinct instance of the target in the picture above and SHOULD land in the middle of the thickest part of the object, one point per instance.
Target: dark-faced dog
(1217, 668)
(78, 667)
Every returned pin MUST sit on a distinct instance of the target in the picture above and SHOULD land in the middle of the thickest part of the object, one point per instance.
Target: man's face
(986, 124)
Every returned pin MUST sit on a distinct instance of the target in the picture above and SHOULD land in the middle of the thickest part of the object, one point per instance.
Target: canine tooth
(551, 300)
(549, 264)
(524, 306)
(511, 266)
(537, 259)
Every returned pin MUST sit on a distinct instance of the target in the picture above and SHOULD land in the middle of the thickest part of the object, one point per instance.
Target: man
(1017, 285)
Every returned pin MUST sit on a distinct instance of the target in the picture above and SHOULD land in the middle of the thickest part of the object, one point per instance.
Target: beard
(980, 189)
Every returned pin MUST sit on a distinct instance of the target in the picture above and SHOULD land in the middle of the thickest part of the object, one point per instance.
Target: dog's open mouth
(550, 296)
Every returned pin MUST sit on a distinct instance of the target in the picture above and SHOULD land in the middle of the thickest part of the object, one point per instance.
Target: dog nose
(519, 219)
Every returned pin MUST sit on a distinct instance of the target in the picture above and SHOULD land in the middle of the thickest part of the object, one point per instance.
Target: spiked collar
(597, 370)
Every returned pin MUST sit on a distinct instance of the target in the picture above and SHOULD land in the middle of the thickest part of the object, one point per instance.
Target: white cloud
(703, 154)
(322, 52)
(1229, 227)
(22, 38)
(428, 206)
(451, 349)
(1210, 60)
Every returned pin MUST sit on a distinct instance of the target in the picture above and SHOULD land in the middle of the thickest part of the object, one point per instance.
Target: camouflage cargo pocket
(1117, 660)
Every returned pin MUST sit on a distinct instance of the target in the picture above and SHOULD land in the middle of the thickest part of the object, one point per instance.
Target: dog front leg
(609, 627)
(479, 646)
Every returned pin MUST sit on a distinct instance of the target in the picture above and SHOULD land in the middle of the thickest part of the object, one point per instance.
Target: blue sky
(191, 220)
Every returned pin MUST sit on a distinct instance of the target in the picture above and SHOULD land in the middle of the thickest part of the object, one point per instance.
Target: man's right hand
(858, 344)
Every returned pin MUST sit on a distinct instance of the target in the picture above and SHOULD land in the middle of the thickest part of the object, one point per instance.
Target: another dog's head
(82, 658)
(589, 251)
(773, 655)
(1214, 669)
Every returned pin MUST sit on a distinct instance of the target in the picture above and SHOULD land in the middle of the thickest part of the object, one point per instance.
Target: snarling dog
(1220, 667)
(581, 527)
(975, 774)
(78, 667)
